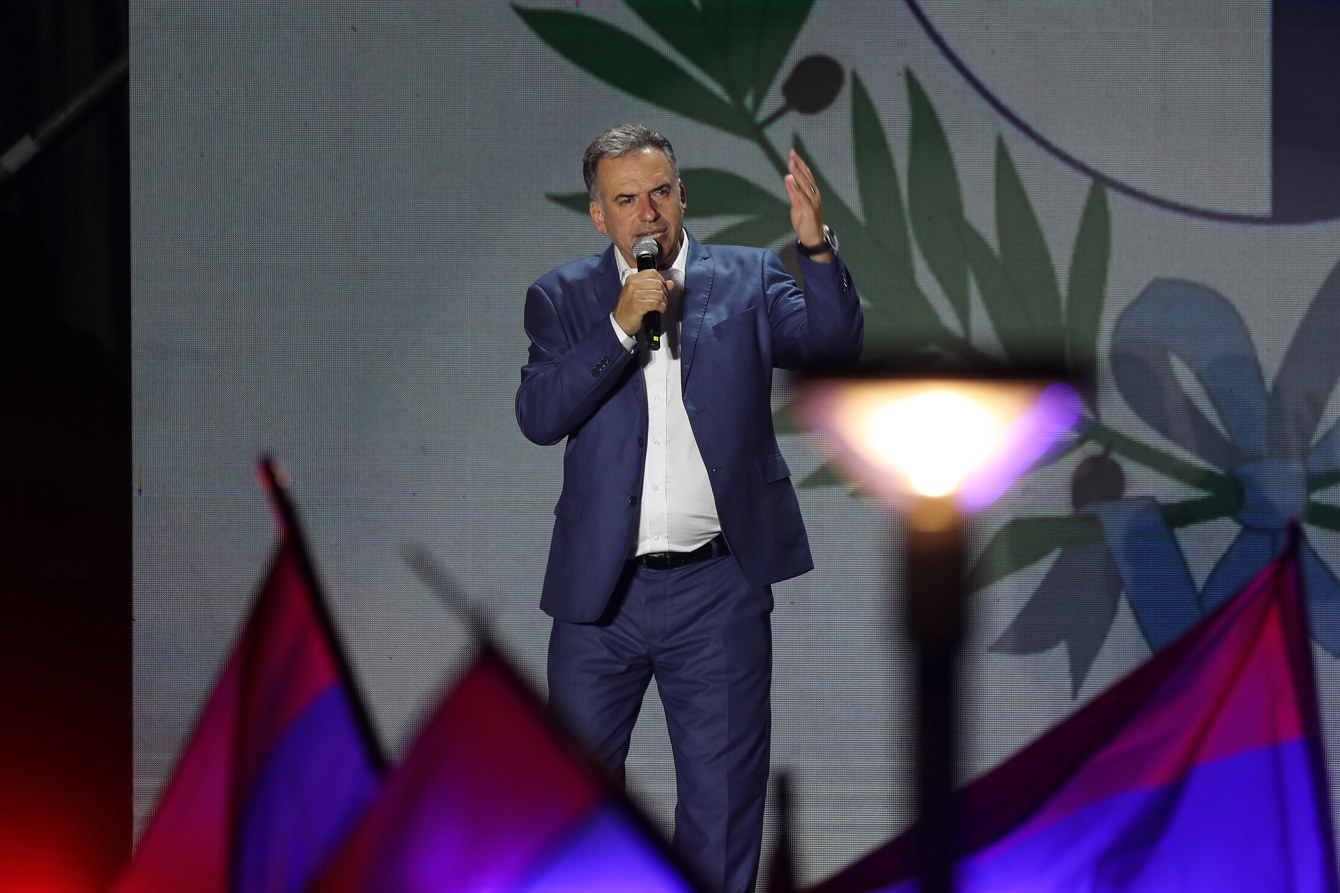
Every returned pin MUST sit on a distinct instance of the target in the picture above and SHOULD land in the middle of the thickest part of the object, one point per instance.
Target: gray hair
(619, 141)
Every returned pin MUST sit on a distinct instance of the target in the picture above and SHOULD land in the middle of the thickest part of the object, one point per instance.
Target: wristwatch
(830, 243)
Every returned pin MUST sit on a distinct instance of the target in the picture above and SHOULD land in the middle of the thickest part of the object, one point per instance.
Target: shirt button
(657, 442)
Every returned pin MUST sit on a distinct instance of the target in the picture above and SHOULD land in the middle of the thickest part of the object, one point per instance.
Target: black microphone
(645, 251)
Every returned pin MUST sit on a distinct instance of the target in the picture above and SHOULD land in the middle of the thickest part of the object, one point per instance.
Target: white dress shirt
(679, 513)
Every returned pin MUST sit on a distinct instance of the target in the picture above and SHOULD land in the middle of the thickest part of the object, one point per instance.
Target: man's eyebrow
(658, 188)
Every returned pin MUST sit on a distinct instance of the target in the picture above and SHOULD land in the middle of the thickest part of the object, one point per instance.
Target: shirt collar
(676, 271)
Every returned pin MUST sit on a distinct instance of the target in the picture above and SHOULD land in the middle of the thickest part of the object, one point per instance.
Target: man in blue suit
(677, 511)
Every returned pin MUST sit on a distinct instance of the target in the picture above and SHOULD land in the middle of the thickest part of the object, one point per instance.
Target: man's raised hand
(807, 212)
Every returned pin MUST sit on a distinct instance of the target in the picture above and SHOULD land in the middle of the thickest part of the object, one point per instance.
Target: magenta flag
(280, 765)
(1201, 770)
(490, 796)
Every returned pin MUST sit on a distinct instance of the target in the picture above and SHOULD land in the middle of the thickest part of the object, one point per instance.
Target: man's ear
(598, 218)
(683, 196)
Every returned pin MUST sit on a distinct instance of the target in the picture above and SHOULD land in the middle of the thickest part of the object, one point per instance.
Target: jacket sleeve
(823, 325)
(574, 364)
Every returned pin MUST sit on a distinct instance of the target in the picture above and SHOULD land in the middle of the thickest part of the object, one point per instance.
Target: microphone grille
(646, 247)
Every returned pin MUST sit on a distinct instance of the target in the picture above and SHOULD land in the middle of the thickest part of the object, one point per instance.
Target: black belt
(664, 561)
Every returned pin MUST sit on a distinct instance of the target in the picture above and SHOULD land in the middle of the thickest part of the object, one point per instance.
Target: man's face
(639, 196)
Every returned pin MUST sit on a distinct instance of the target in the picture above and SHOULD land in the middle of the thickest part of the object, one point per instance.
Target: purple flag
(1201, 770)
(279, 766)
(491, 797)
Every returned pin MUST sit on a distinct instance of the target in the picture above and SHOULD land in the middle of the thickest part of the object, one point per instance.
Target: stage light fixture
(934, 445)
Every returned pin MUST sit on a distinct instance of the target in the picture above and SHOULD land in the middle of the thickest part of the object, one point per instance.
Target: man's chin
(669, 244)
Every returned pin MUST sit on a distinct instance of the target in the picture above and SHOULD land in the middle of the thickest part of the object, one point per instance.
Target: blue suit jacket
(743, 315)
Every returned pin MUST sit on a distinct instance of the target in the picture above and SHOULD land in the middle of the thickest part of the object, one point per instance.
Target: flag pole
(433, 575)
(275, 484)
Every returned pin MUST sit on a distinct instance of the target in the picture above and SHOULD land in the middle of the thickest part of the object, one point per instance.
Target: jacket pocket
(568, 506)
(774, 468)
(731, 323)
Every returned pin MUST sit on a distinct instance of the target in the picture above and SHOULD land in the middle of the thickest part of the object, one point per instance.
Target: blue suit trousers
(705, 634)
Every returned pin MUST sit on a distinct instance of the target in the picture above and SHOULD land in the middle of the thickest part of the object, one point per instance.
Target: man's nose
(649, 210)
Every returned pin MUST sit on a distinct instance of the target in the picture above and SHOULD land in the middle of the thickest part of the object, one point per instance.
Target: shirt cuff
(628, 341)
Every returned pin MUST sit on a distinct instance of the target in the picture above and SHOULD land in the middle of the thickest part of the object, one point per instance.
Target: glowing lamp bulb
(961, 438)
(936, 438)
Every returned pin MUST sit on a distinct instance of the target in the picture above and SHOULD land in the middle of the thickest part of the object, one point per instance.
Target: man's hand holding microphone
(644, 295)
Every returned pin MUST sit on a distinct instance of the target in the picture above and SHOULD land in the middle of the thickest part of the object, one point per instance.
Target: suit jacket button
(632, 500)
(641, 442)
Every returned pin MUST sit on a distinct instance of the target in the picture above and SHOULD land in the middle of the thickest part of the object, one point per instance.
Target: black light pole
(934, 445)
(934, 621)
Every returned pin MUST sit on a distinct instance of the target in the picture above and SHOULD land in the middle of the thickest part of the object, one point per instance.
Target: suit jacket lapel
(607, 282)
(699, 275)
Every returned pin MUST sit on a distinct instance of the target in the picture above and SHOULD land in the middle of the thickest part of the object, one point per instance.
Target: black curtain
(65, 460)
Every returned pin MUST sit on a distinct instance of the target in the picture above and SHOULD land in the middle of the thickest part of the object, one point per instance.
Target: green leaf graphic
(787, 420)
(1087, 285)
(936, 201)
(877, 178)
(1322, 515)
(681, 25)
(586, 42)
(823, 476)
(1010, 316)
(1222, 504)
(742, 33)
(730, 27)
(1323, 481)
(1025, 541)
(1025, 257)
(778, 27)
(898, 316)
(761, 232)
(573, 201)
(713, 192)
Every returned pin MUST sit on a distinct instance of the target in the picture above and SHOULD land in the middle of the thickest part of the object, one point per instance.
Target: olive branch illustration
(728, 58)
